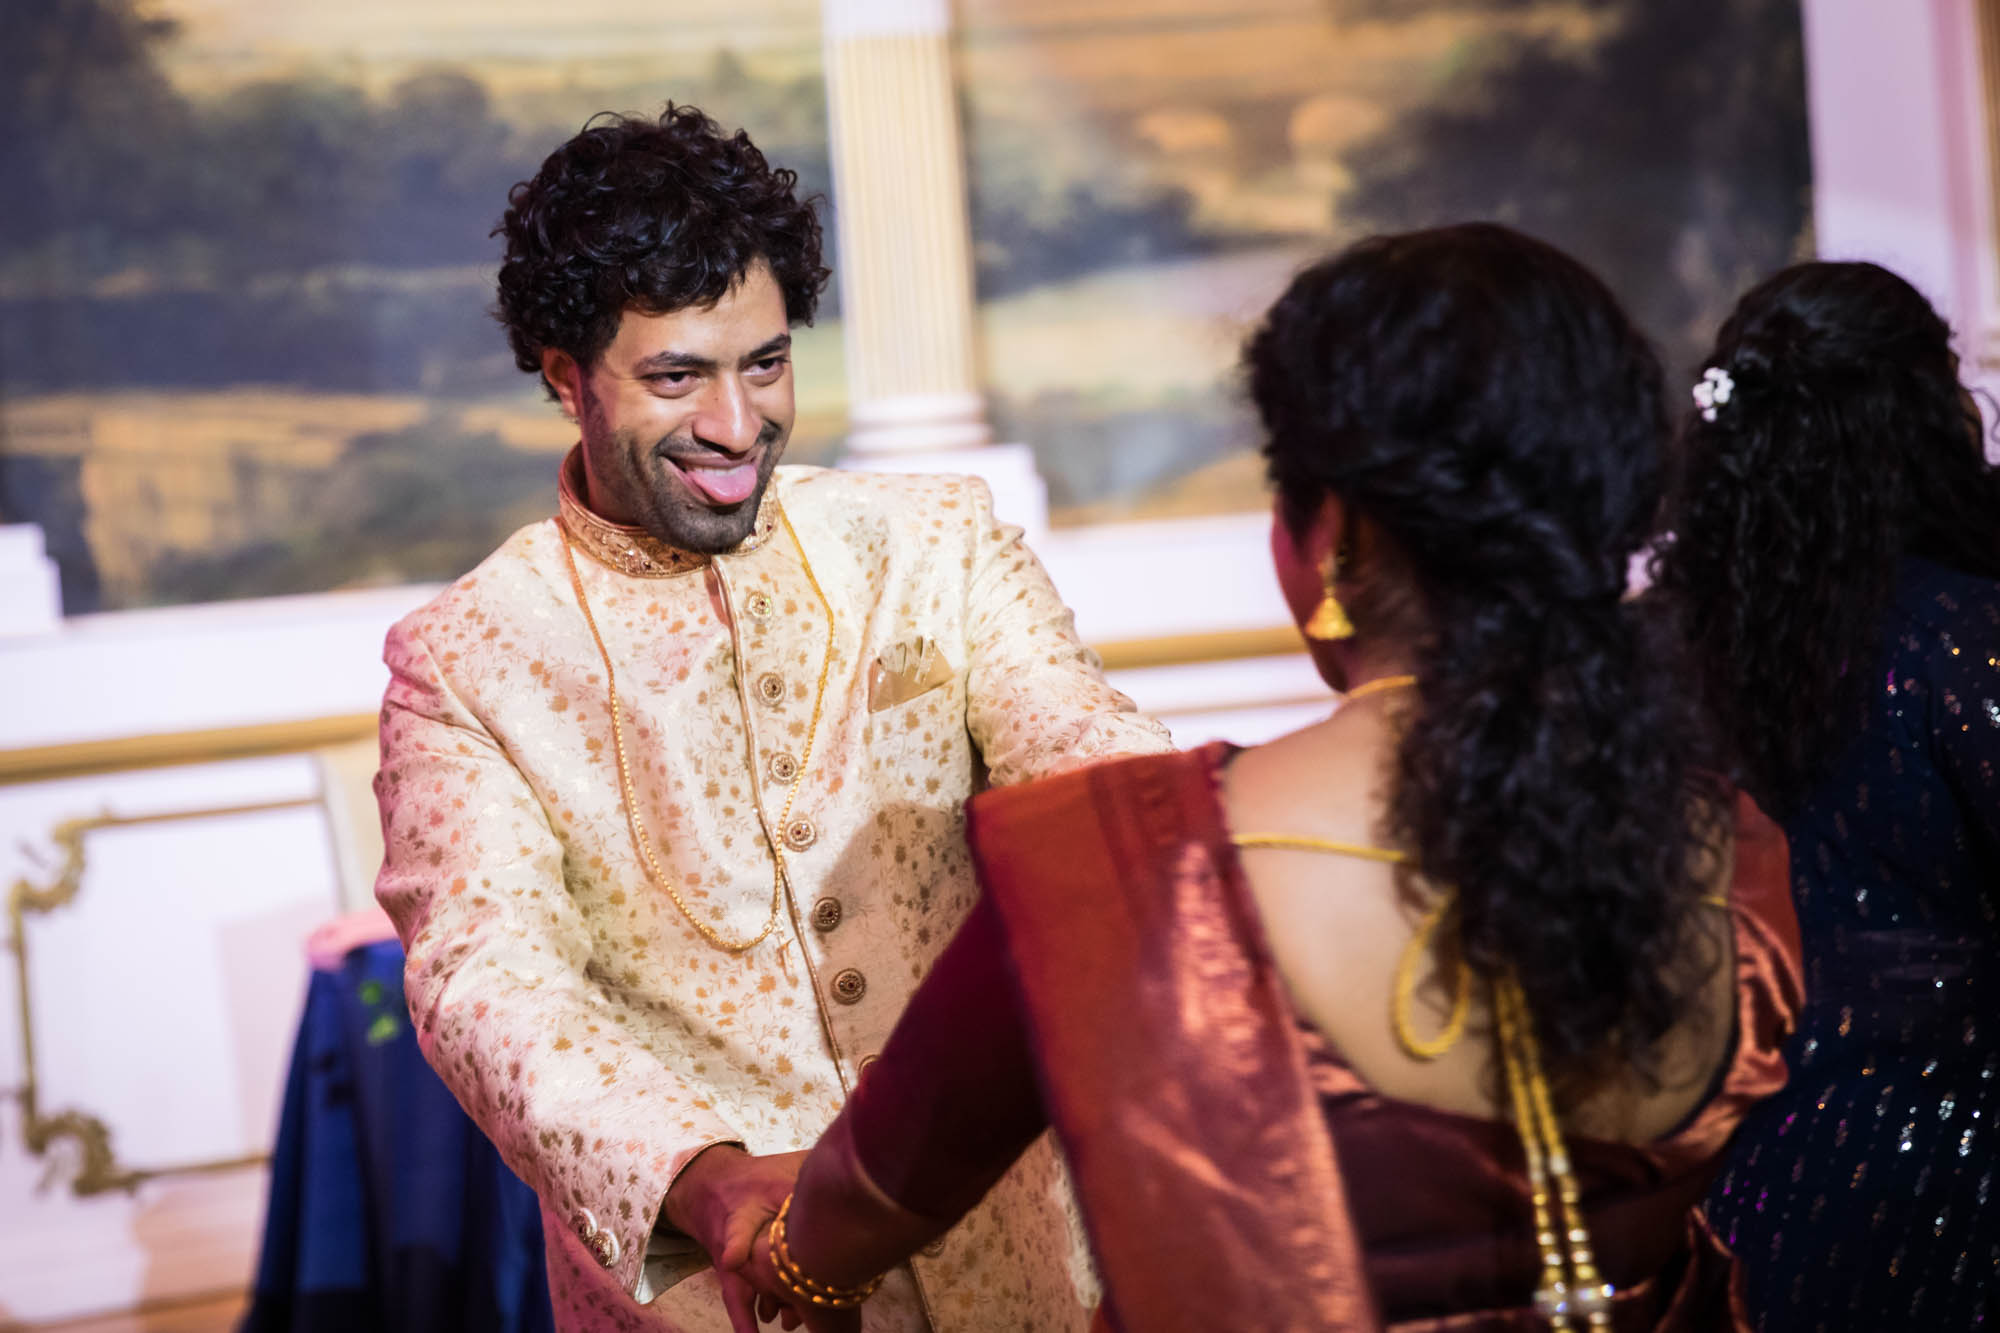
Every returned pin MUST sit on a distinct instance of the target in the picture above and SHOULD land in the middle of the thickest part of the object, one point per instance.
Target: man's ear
(565, 378)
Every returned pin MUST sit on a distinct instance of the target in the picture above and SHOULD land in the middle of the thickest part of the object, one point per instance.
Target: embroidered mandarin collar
(634, 551)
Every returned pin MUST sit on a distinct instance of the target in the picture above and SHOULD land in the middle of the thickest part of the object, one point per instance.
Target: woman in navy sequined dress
(1838, 545)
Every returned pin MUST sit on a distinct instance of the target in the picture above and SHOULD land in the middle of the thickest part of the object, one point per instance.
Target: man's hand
(725, 1199)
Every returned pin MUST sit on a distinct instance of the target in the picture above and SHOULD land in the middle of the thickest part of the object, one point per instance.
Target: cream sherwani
(599, 1039)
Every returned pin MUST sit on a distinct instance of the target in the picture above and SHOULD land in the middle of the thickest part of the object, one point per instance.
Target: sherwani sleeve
(1037, 701)
(593, 1120)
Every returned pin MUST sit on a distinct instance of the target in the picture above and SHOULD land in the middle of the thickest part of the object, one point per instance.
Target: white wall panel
(162, 998)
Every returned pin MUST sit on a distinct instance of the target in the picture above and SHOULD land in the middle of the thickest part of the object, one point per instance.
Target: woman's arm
(932, 1125)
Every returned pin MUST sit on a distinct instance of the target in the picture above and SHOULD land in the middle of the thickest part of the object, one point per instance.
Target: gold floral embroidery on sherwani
(595, 1036)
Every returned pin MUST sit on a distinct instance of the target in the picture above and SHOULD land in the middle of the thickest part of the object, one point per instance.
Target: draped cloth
(388, 1211)
(1234, 1172)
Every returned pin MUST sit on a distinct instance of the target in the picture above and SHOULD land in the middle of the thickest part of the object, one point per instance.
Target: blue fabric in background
(389, 1209)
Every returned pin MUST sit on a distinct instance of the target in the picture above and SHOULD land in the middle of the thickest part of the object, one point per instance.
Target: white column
(906, 289)
(1901, 153)
(30, 586)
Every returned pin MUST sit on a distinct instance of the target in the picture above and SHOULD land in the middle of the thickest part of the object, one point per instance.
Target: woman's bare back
(1339, 925)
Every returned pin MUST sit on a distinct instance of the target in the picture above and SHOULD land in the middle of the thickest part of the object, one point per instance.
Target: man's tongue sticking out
(723, 485)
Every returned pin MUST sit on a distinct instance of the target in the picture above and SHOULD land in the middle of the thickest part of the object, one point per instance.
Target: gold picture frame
(98, 1169)
(47, 763)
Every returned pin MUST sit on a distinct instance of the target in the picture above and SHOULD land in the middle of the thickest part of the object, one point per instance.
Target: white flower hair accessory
(1713, 391)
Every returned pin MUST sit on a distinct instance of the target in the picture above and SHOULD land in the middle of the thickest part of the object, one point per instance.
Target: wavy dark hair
(647, 215)
(1845, 445)
(1480, 398)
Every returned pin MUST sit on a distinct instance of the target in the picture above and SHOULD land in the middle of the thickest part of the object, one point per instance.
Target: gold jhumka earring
(1329, 619)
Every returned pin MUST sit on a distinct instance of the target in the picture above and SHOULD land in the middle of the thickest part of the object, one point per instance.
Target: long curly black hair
(647, 215)
(1481, 398)
(1846, 444)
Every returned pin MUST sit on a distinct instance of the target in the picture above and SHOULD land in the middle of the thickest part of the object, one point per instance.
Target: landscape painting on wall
(1147, 175)
(245, 341)
(245, 346)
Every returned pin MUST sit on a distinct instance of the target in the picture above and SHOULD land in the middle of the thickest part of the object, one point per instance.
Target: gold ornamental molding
(97, 1169)
(1233, 645)
(44, 763)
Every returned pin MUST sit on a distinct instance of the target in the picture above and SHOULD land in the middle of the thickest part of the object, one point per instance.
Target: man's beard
(664, 503)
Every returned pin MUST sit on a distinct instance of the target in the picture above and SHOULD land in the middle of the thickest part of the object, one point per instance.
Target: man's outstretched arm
(598, 1124)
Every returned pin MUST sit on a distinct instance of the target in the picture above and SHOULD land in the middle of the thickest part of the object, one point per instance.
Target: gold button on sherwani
(601, 1035)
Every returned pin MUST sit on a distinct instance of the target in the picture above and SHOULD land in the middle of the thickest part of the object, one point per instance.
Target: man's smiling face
(685, 414)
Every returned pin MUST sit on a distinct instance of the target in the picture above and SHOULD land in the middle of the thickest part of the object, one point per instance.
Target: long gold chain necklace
(625, 788)
(1570, 1289)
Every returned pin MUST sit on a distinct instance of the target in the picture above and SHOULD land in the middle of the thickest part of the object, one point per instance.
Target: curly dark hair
(1480, 397)
(1845, 445)
(648, 215)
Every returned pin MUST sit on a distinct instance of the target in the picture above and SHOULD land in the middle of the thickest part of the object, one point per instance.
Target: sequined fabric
(595, 1037)
(1864, 1196)
(1234, 1171)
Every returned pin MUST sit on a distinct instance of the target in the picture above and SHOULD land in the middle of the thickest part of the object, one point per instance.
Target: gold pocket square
(904, 671)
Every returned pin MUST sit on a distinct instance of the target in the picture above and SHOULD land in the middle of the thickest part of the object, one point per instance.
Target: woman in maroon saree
(1459, 1043)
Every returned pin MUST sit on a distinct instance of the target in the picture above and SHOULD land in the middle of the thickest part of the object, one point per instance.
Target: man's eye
(669, 378)
(770, 365)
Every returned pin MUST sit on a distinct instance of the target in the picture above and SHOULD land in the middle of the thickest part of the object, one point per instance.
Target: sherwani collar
(634, 551)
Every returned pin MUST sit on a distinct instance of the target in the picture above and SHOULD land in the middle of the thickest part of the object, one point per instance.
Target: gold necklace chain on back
(1570, 1291)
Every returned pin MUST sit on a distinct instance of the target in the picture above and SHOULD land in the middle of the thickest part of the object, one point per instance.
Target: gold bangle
(794, 1279)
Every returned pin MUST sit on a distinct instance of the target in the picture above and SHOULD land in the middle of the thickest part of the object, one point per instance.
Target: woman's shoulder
(1946, 601)
(1944, 641)
(1128, 786)
(1109, 819)
(1760, 883)
(1768, 975)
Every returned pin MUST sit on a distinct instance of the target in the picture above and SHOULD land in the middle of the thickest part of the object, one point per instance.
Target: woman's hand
(728, 1204)
(775, 1302)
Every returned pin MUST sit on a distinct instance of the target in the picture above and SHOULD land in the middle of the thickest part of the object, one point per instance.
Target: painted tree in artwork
(292, 269)
(1671, 155)
(87, 127)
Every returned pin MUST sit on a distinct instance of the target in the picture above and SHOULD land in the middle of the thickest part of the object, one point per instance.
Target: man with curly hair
(672, 783)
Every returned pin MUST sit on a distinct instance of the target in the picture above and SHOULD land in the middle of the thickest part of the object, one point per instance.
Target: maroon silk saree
(1116, 985)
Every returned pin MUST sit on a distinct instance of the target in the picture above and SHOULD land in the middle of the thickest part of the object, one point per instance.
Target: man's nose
(727, 419)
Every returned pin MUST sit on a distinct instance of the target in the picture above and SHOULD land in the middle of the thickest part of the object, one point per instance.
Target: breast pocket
(905, 671)
(916, 720)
